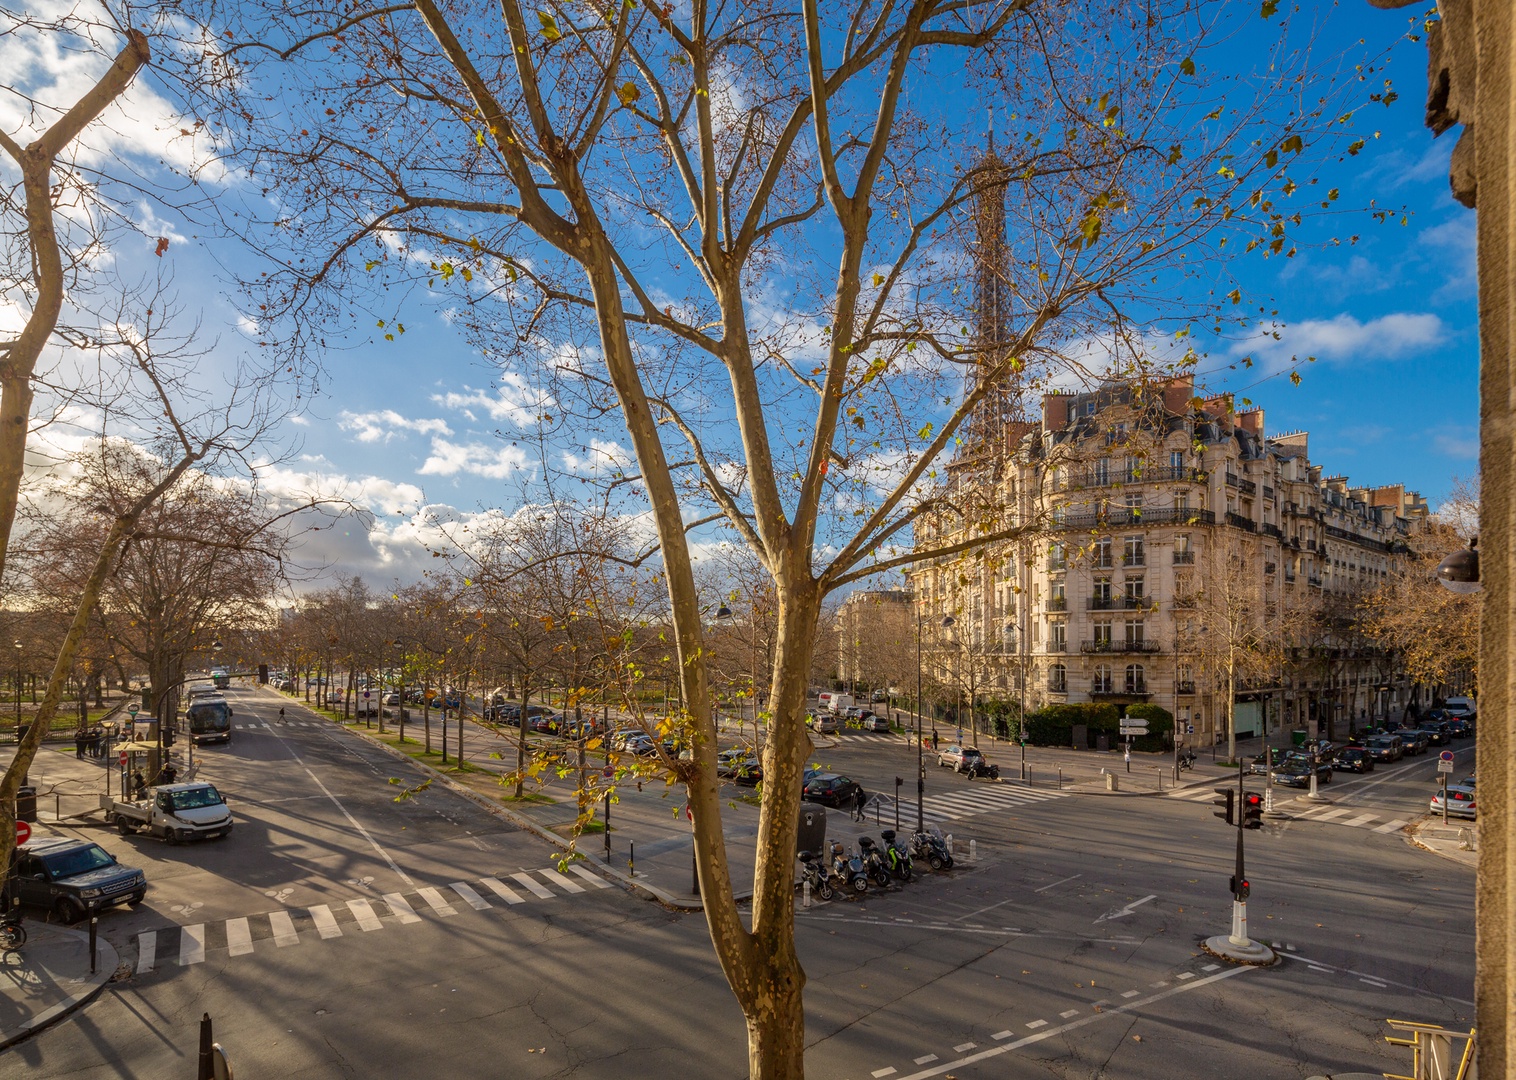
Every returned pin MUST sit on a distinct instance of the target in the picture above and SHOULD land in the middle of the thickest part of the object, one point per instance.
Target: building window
(1058, 679)
(1057, 557)
(1136, 632)
(1101, 683)
(1134, 502)
(1181, 500)
(1133, 469)
(1103, 552)
(1135, 591)
(1101, 474)
(1135, 683)
(1102, 635)
(1176, 462)
(1058, 637)
(1184, 555)
(1058, 599)
(1132, 554)
(1103, 590)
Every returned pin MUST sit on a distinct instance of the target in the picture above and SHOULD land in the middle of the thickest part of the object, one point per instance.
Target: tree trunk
(521, 722)
(1231, 708)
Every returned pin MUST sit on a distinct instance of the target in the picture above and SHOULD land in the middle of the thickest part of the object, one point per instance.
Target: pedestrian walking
(170, 773)
(139, 786)
(934, 738)
(859, 801)
(80, 738)
(281, 714)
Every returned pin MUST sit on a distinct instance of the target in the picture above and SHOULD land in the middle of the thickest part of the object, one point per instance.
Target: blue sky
(425, 421)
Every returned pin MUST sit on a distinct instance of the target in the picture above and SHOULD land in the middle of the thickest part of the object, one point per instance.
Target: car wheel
(123, 826)
(68, 911)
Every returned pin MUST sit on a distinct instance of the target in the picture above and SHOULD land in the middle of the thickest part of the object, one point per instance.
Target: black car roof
(51, 845)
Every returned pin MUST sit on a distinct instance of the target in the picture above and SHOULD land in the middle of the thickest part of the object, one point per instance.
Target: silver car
(1460, 801)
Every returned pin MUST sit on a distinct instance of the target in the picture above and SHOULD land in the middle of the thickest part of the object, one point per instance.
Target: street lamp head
(948, 620)
(723, 612)
(398, 643)
(1459, 572)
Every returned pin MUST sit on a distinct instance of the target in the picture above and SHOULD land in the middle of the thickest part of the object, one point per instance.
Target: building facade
(1174, 552)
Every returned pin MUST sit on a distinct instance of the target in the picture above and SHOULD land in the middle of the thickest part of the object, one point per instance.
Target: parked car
(853, 712)
(961, 758)
(1353, 759)
(1460, 801)
(1385, 748)
(1256, 765)
(830, 789)
(1295, 771)
(1461, 707)
(69, 877)
(1437, 731)
(879, 696)
(876, 723)
(1460, 728)
(748, 771)
(826, 725)
(728, 760)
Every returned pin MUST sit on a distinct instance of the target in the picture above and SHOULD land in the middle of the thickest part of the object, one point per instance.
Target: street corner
(50, 977)
(1456, 841)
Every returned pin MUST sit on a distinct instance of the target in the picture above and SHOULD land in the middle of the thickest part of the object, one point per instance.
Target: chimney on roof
(1251, 420)
(1055, 411)
(1178, 393)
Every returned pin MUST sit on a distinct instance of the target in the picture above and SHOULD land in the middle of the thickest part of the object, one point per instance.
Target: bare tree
(788, 354)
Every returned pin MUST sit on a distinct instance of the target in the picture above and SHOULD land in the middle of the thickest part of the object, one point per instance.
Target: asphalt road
(1069, 949)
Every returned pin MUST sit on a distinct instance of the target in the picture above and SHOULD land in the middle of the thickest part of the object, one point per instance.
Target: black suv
(69, 877)
(829, 789)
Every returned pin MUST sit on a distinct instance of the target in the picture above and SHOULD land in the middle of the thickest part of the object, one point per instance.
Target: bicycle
(12, 933)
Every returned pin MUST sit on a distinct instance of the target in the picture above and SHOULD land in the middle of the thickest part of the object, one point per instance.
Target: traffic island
(1252, 953)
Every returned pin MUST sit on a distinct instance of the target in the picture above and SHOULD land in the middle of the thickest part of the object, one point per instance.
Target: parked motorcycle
(1187, 760)
(932, 847)
(979, 767)
(816, 876)
(848, 868)
(873, 862)
(898, 855)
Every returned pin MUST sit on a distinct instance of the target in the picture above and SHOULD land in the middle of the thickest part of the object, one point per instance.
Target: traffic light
(169, 733)
(1239, 891)
(262, 674)
(1252, 811)
(1227, 800)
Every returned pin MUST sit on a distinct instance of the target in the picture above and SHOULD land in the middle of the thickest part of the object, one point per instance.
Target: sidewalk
(1457, 840)
(48, 978)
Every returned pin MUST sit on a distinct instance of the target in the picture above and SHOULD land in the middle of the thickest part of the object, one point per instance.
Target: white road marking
(1185, 975)
(147, 951)
(435, 901)
(364, 912)
(1131, 993)
(284, 928)
(1317, 965)
(1357, 821)
(1068, 1013)
(470, 897)
(499, 889)
(562, 880)
(1122, 913)
(401, 907)
(1328, 815)
(594, 879)
(533, 886)
(1392, 826)
(964, 1046)
(239, 937)
(1035, 1024)
(1211, 967)
(192, 945)
(884, 1072)
(1027, 1040)
(925, 1059)
(326, 922)
(1062, 881)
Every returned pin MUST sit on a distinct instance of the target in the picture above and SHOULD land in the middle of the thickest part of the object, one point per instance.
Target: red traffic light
(1252, 811)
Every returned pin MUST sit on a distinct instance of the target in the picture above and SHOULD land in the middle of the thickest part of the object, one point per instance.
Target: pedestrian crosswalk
(184, 946)
(984, 799)
(1353, 817)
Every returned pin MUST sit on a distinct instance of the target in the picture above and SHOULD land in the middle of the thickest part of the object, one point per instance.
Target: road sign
(123, 757)
(1446, 755)
(1134, 727)
(23, 832)
(133, 709)
(1444, 766)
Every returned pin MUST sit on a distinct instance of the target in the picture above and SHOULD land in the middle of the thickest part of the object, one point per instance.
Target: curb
(528, 825)
(1413, 838)
(106, 963)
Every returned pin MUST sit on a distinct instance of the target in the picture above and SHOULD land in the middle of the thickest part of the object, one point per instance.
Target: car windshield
(195, 798)
(78, 861)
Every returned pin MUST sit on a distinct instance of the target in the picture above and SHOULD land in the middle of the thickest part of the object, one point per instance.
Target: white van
(834, 702)
(1460, 706)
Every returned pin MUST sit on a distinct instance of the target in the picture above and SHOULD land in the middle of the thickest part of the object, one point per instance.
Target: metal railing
(1237, 521)
(1129, 517)
(1100, 645)
(1184, 558)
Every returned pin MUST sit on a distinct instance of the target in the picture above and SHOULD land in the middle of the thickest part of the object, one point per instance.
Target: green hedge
(1053, 725)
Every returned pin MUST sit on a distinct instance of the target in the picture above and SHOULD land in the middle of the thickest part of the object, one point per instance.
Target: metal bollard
(94, 931)
(973, 851)
(631, 858)
(948, 840)
(805, 897)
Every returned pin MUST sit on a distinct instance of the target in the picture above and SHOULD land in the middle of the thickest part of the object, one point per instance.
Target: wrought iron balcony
(1100, 645)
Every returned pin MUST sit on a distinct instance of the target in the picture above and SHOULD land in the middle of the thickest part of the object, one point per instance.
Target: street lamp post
(18, 688)
(399, 645)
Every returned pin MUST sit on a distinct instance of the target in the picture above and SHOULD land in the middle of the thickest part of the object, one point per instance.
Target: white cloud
(602, 456)
(515, 400)
(1343, 339)
(384, 425)
(492, 461)
(1457, 444)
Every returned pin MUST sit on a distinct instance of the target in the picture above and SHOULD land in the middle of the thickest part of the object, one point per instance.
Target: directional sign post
(1134, 727)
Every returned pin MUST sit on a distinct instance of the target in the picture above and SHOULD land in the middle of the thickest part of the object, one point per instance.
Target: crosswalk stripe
(401, 907)
(284, 928)
(434, 899)
(147, 949)
(594, 879)
(326, 922)
(562, 880)
(239, 937)
(1357, 821)
(470, 897)
(496, 886)
(1330, 814)
(1391, 826)
(927, 804)
(363, 911)
(533, 886)
(192, 945)
(975, 802)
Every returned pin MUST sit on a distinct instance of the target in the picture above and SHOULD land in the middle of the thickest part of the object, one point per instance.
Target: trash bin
(21, 730)
(1299, 735)
(26, 804)
(1110, 781)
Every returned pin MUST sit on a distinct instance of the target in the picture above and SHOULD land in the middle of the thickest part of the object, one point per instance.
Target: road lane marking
(1035, 1024)
(363, 911)
(562, 880)
(1327, 815)
(1121, 913)
(1392, 826)
(1131, 993)
(284, 928)
(326, 922)
(1061, 881)
(401, 874)
(533, 886)
(594, 879)
(1068, 1013)
(878, 1074)
(470, 897)
(147, 950)
(401, 907)
(925, 1059)
(496, 886)
(1318, 965)
(1048, 1033)
(435, 901)
(239, 937)
(963, 1047)
(192, 945)
(1357, 821)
